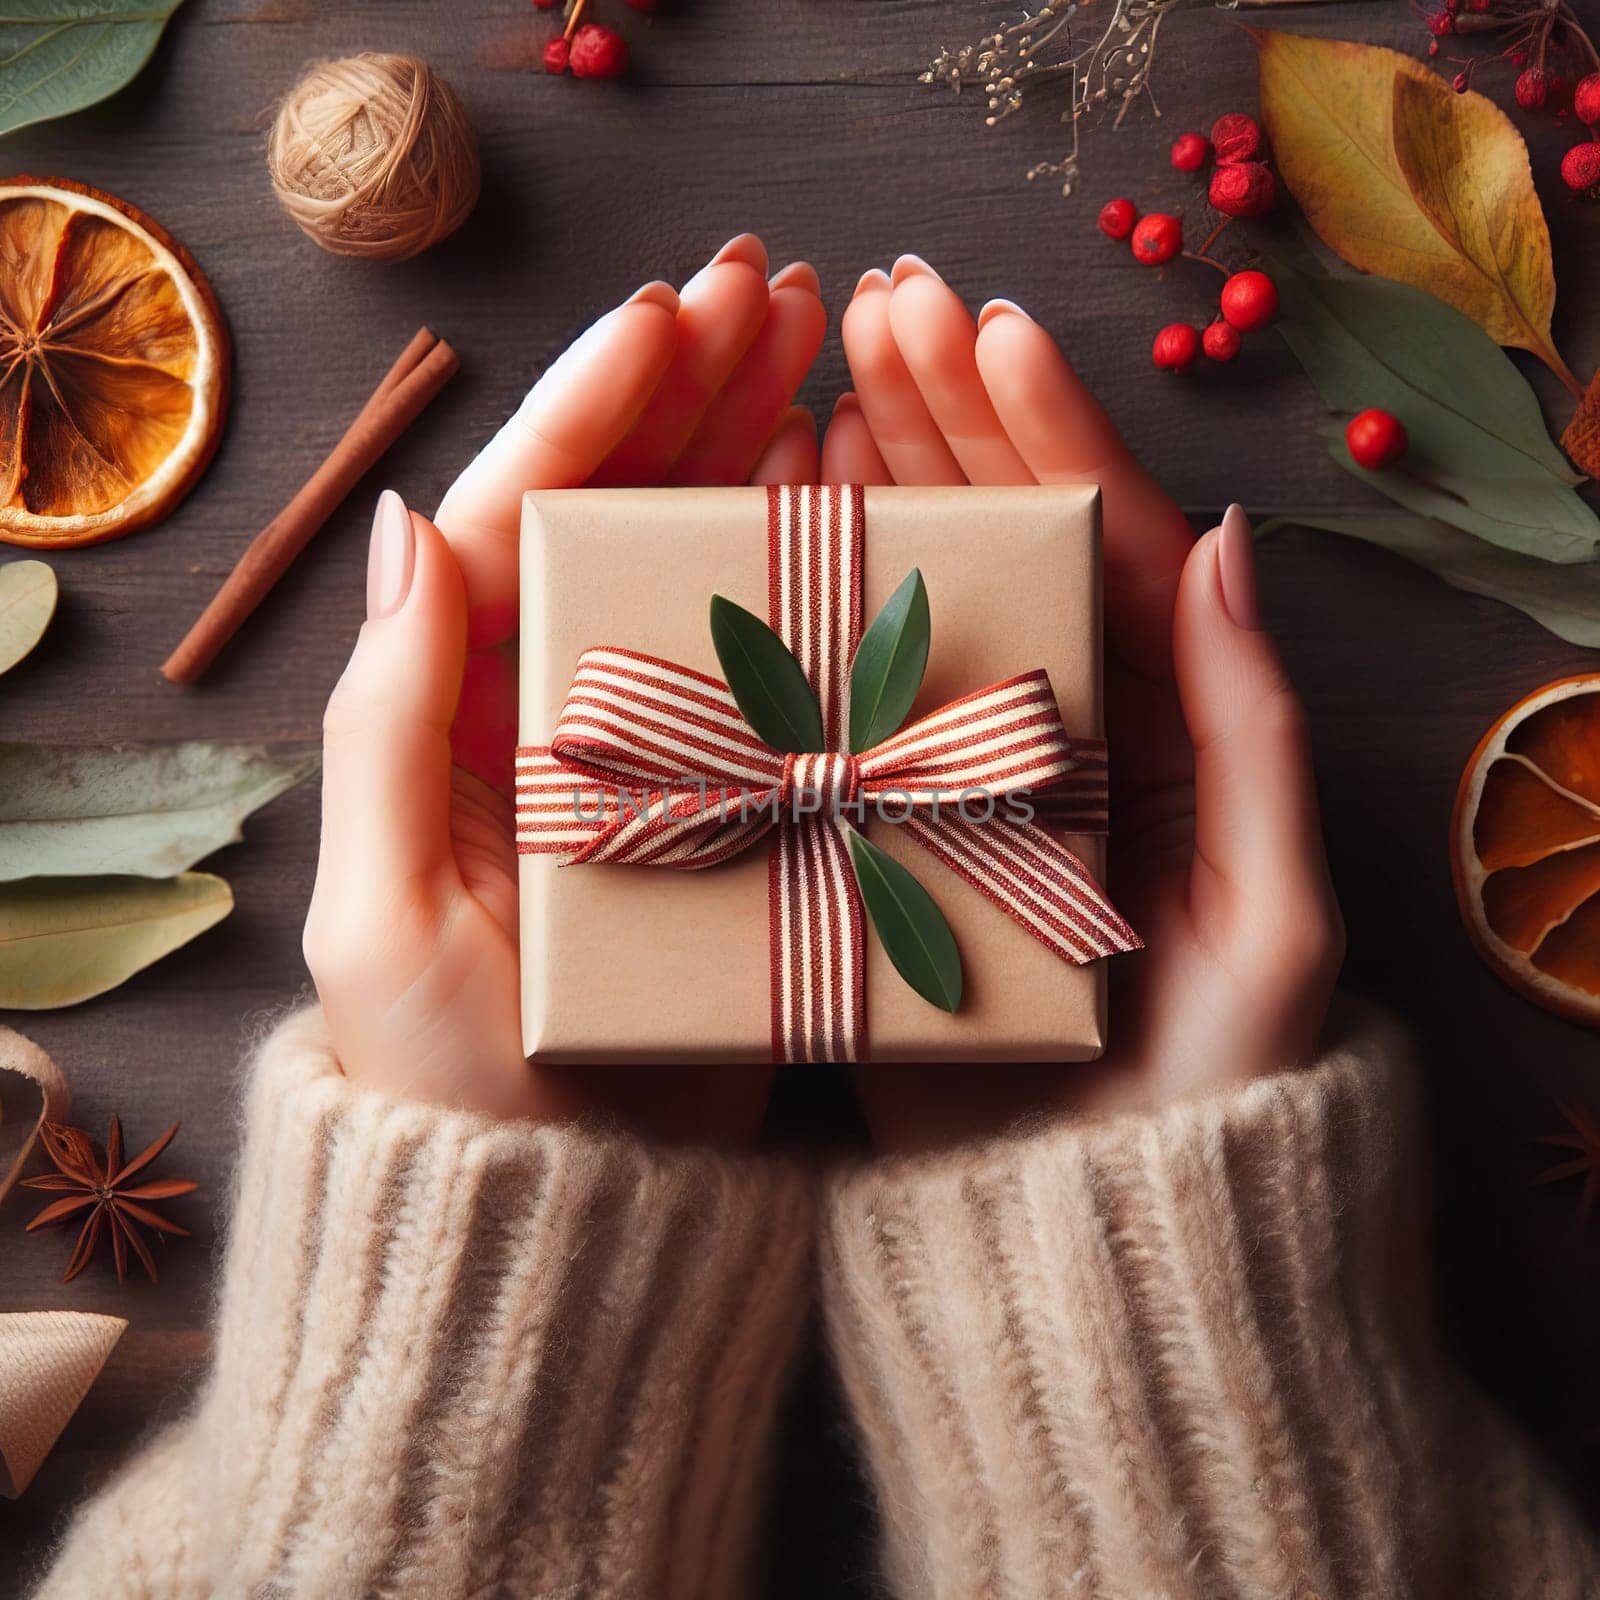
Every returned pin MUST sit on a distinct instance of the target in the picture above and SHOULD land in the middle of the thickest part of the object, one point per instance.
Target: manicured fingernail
(911, 267)
(846, 405)
(746, 247)
(798, 275)
(1236, 568)
(1001, 308)
(390, 558)
(873, 278)
(657, 294)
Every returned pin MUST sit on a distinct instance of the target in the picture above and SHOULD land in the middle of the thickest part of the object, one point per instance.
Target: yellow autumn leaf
(1403, 177)
(1467, 169)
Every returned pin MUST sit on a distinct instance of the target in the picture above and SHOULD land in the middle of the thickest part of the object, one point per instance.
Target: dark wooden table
(801, 119)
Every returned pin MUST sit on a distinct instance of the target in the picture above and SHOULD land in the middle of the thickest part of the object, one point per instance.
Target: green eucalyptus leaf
(889, 662)
(767, 683)
(1480, 457)
(58, 56)
(63, 940)
(146, 811)
(1564, 599)
(1373, 342)
(1519, 517)
(912, 928)
(27, 603)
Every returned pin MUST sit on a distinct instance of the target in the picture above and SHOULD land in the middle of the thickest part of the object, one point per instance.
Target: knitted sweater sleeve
(457, 1357)
(1180, 1356)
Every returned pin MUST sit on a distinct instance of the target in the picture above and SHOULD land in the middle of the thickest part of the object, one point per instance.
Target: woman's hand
(412, 932)
(1216, 849)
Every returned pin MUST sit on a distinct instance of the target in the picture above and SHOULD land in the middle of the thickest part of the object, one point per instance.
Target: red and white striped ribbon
(818, 939)
(651, 764)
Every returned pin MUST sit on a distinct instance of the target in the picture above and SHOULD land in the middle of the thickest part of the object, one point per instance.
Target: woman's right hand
(412, 933)
(1216, 847)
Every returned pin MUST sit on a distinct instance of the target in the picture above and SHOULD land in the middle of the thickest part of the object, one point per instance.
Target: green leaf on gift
(767, 683)
(890, 660)
(63, 940)
(147, 811)
(908, 921)
(58, 56)
(1564, 599)
(1480, 457)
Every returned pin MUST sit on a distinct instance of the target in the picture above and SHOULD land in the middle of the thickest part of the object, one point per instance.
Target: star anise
(103, 1185)
(1584, 1139)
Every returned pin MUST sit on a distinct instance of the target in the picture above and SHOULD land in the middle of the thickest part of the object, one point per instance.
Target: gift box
(760, 955)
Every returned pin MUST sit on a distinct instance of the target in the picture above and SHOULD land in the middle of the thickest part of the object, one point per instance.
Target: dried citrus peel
(1526, 847)
(113, 366)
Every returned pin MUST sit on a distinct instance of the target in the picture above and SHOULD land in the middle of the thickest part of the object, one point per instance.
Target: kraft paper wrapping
(627, 964)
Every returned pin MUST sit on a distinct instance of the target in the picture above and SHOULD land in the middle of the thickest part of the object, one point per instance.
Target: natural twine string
(373, 156)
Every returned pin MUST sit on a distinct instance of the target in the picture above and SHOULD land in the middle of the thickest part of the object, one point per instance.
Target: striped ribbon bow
(652, 764)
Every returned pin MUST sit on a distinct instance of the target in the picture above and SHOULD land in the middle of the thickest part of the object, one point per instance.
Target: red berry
(598, 52)
(1158, 238)
(1221, 341)
(1433, 47)
(1249, 300)
(1117, 218)
(1243, 189)
(1580, 169)
(1190, 151)
(1236, 137)
(1459, 83)
(1532, 88)
(1586, 99)
(645, 5)
(544, 5)
(1375, 440)
(555, 55)
(1440, 23)
(1175, 347)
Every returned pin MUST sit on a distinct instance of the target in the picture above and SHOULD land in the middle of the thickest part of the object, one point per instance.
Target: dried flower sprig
(117, 1207)
(1112, 67)
(1002, 63)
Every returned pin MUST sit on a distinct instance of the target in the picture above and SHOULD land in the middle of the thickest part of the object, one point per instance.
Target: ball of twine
(373, 156)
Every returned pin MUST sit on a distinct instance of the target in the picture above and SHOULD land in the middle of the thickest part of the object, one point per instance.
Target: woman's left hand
(412, 932)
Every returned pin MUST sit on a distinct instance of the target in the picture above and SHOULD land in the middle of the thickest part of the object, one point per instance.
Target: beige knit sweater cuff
(457, 1357)
(1180, 1355)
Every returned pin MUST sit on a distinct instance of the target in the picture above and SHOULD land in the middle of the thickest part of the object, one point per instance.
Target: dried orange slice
(1525, 845)
(113, 366)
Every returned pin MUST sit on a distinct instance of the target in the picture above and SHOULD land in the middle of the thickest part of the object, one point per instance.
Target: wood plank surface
(801, 119)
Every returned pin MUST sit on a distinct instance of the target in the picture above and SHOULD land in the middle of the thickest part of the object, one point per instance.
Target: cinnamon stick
(422, 341)
(419, 373)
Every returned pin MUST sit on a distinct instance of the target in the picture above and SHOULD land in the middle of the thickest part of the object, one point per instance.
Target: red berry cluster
(1249, 301)
(1580, 166)
(1547, 44)
(1242, 185)
(588, 49)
